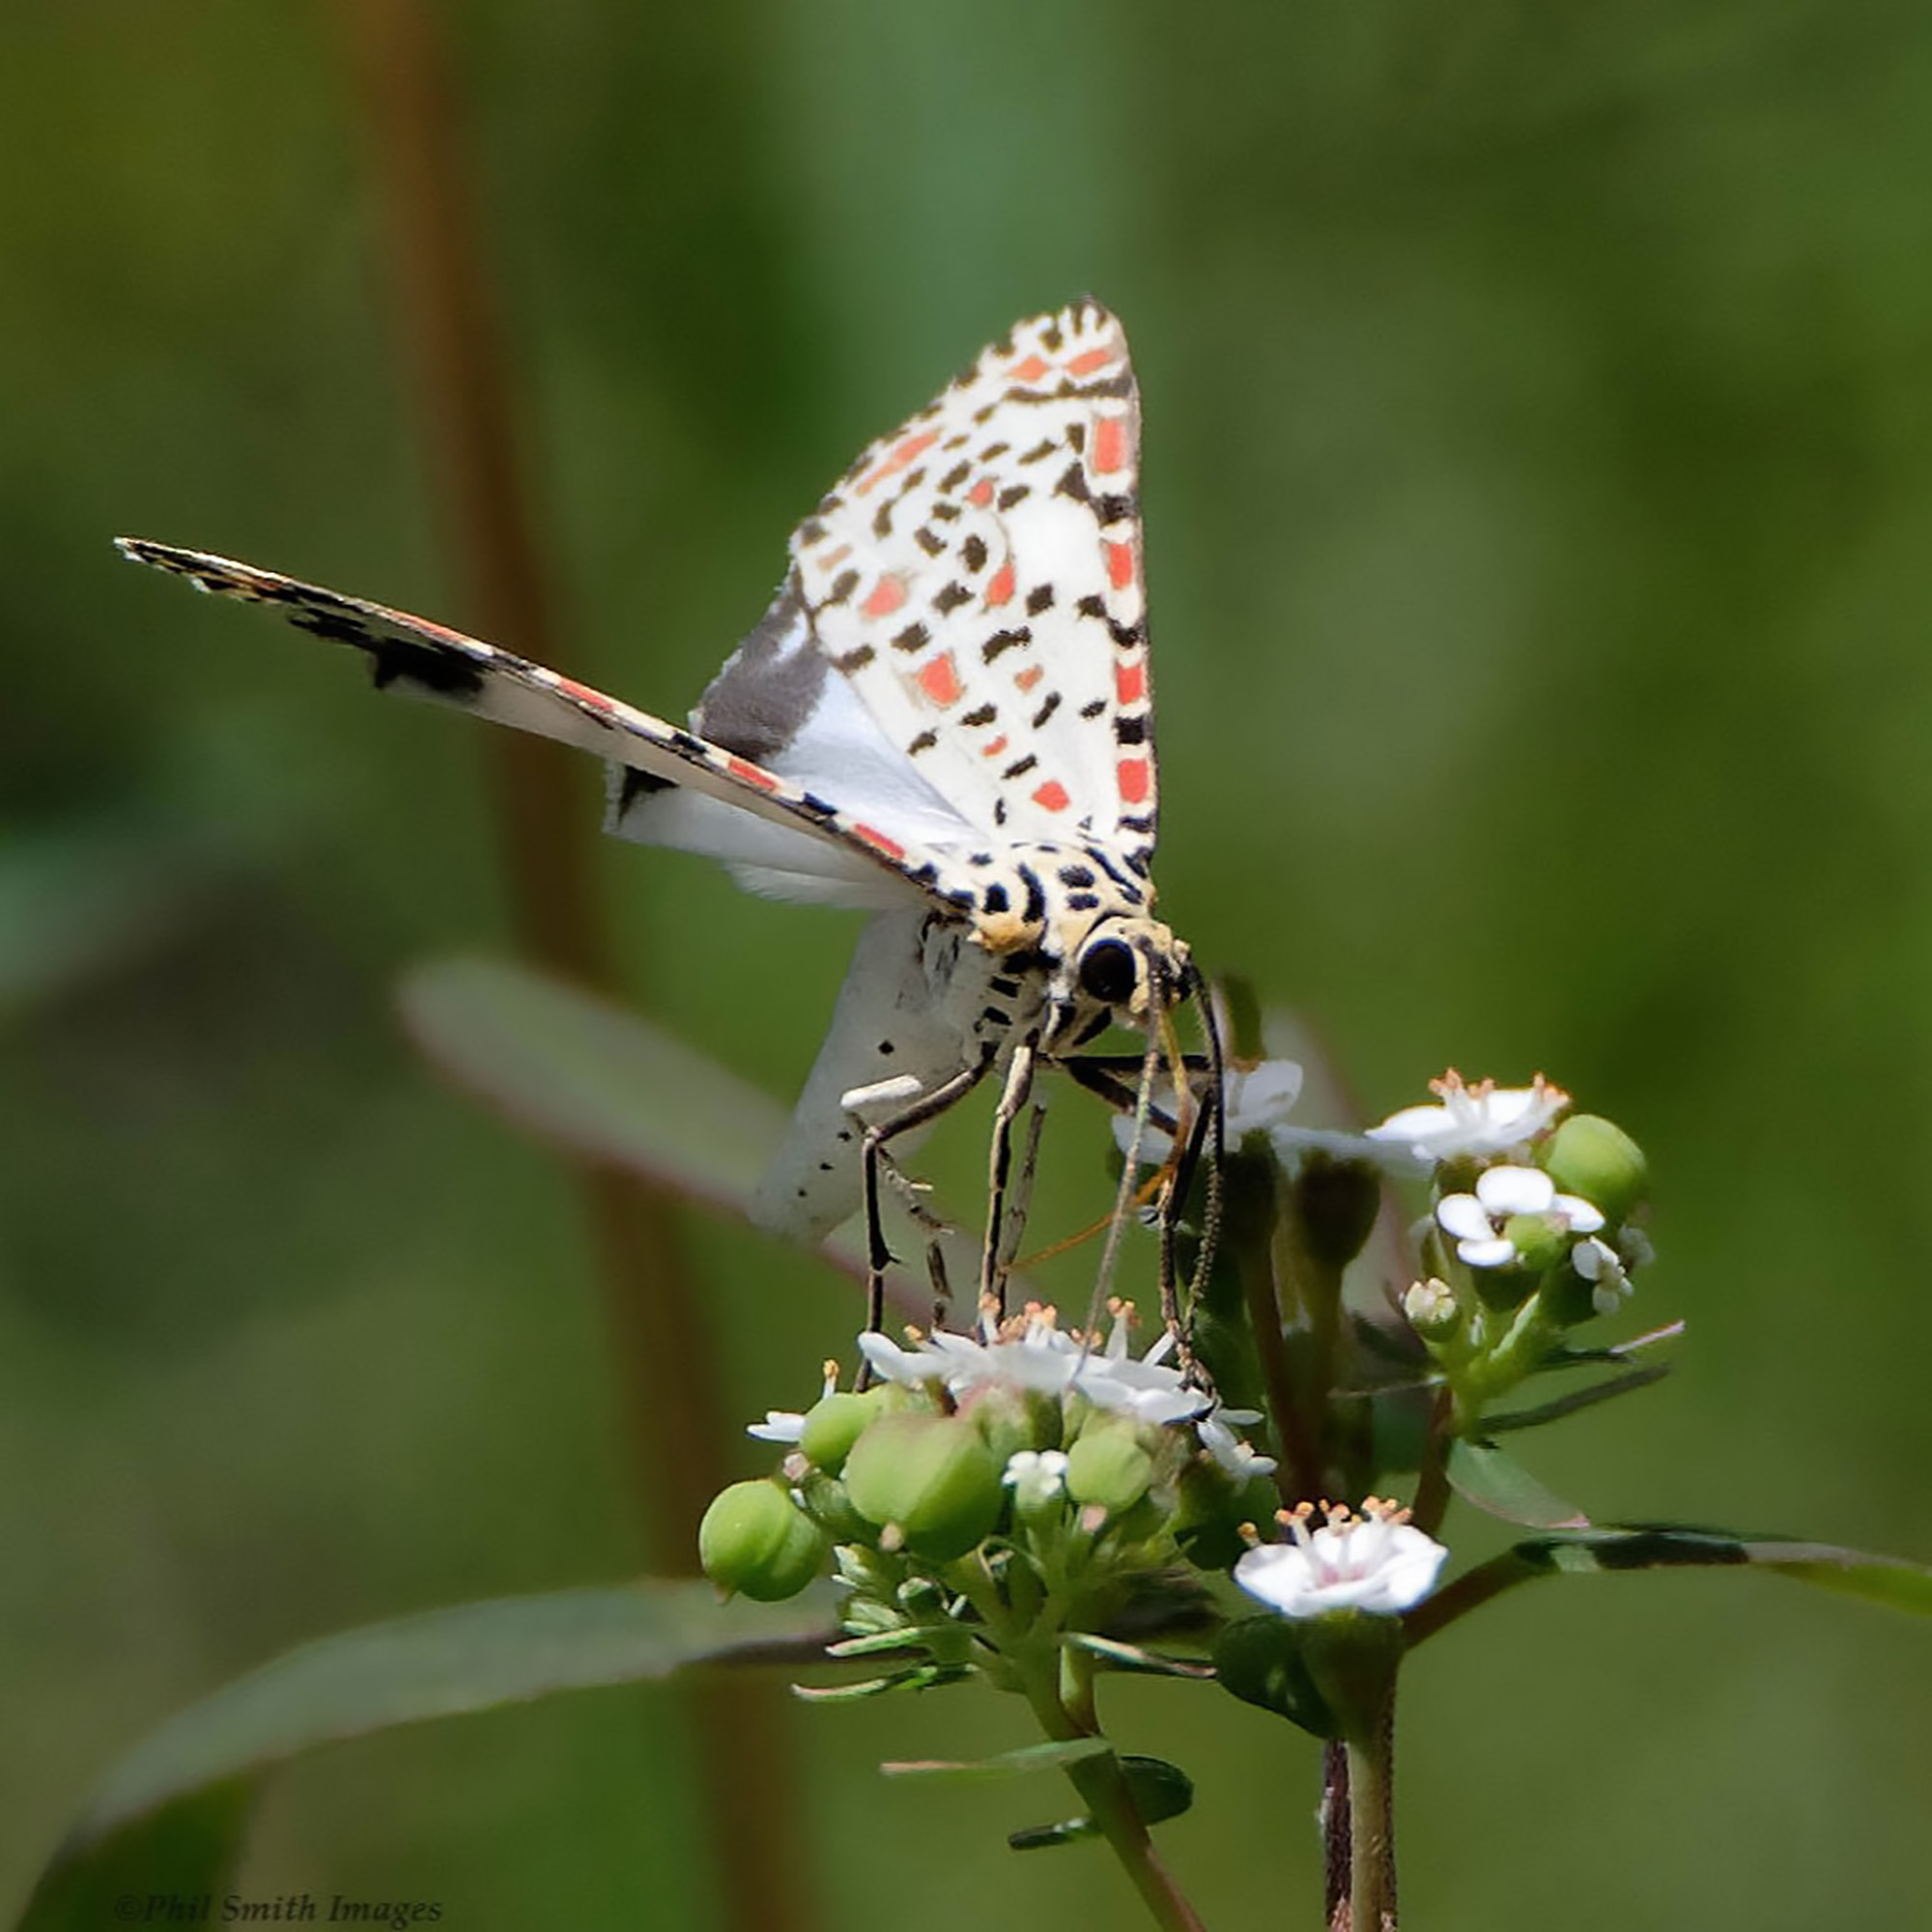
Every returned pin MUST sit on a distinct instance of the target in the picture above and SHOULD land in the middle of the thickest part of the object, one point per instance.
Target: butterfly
(944, 716)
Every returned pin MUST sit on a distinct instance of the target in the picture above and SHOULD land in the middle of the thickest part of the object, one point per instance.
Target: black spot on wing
(437, 668)
(634, 785)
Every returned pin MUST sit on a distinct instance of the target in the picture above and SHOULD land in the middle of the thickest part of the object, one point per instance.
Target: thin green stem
(1051, 1688)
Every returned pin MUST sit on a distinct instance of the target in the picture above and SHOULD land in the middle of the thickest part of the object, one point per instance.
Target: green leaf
(1132, 1658)
(1626, 1384)
(575, 1069)
(179, 1800)
(1879, 1579)
(1493, 1481)
(1158, 1789)
(610, 1086)
(1054, 1755)
(1263, 1661)
(183, 1851)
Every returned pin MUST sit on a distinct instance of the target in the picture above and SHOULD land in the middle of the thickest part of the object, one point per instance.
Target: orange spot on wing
(994, 746)
(753, 774)
(1051, 796)
(888, 594)
(878, 841)
(1088, 360)
(1025, 680)
(896, 460)
(1110, 443)
(1000, 586)
(1120, 564)
(1130, 682)
(833, 558)
(940, 681)
(584, 694)
(980, 493)
(1031, 370)
(1134, 778)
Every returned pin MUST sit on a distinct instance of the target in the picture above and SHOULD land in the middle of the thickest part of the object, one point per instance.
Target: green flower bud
(829, 1506)
(1338, 1200)
(1107, 1466)
(1594, 1158)
(1538, 1241)
(755, 1542)
(1010, 1420)
(832, 1423)
(932, 1477)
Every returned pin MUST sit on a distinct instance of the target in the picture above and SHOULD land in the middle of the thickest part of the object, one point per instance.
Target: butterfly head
(1124, 969)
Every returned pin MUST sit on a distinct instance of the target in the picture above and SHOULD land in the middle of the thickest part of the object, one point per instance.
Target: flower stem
(1372, 1827)
(1103, 1786)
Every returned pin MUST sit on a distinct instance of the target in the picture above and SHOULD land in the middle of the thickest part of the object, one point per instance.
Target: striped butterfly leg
(874, 1159)
(1006, 1240)
(1000, 1159)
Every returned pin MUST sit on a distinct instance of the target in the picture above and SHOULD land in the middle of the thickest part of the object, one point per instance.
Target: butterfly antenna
(1123, 1198)
(1215, 1119)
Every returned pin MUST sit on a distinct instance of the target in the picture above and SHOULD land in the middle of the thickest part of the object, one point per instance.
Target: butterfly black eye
(1109, 970)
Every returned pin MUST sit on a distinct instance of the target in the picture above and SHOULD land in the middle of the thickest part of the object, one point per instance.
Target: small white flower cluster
(1478, 1221)
(1487, 1123)
(1032, 1353)
(1378, 1561)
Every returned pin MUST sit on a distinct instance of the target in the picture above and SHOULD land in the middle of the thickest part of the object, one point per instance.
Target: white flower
(1602, 1268)
(780, 1425)
(787, 1425)
(1502, 1193)
(1253, 1100)
(1033, 1353)
(1035, 1476)
(1376, 1562)
(1430, 1305)
(1237, 1458)
(1479, 1120)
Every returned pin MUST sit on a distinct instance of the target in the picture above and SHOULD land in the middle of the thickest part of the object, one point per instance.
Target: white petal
(1583, 1216)
(1282, 1575)
(1464, 1216)
(1262, 1096)
(1494, 1252)
(780, 1425)
(1515, 1190)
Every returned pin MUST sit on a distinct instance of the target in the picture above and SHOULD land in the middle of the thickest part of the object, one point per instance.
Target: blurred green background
(1538, 481)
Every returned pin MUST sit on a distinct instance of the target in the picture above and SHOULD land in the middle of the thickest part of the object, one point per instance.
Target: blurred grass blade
(1481, 1473)
(1891, 1580)
(177, 1799)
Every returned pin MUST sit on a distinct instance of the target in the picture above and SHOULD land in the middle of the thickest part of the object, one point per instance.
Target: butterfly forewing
(976, 578)
(944, 715)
